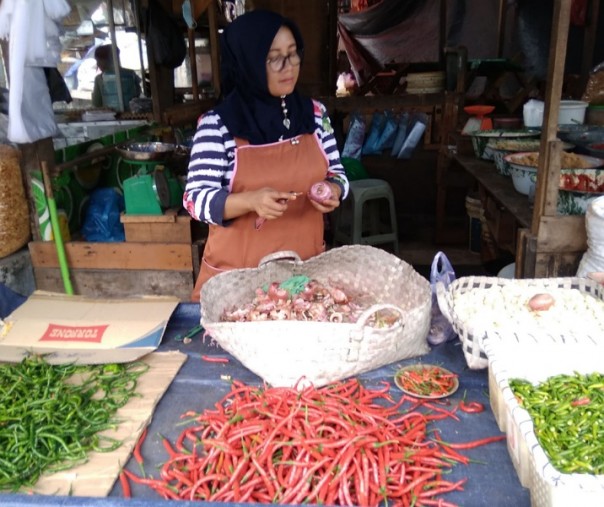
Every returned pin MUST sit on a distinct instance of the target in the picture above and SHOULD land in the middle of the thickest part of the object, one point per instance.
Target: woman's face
(282, 55)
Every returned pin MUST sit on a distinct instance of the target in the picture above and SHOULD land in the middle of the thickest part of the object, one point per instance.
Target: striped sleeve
(335, 171)
(210, 170)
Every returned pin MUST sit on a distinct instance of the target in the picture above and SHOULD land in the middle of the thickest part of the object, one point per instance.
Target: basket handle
(366, 315)
(284, 255)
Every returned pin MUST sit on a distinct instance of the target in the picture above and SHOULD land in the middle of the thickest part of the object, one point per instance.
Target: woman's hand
(329, 205)
(267, 203)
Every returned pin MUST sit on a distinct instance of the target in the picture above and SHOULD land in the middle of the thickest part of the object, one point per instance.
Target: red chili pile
(338, 445)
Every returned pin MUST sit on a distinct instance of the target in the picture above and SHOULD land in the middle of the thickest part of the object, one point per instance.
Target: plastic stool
(360, 213)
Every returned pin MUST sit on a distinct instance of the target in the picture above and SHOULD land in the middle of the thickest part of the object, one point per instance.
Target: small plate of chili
(426, 381)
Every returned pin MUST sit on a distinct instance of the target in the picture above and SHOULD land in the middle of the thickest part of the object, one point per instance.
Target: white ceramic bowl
(584, 179)
(575, 203)
(500, 148)
(523, 178)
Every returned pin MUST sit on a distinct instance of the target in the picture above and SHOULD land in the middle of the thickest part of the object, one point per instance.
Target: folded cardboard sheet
(85, 330)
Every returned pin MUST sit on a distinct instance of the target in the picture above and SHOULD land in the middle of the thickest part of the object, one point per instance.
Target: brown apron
(292, 165)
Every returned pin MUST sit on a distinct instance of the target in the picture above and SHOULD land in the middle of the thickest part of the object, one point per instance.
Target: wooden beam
(501, 23)
(214, 47)
(562, 234)
(123, 256)
(589, 41)
(442, 32)
(548, 179)
(103, 283)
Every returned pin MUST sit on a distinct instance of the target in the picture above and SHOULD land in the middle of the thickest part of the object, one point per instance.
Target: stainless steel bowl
(146, 151)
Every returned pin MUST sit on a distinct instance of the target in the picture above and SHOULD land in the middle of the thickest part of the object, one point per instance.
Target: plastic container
(571, 112)
(549, 487)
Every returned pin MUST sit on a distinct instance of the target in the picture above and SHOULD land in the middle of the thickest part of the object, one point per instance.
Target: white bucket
(571, 112)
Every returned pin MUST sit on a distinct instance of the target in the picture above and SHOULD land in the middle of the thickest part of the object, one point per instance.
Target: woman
(256, 155)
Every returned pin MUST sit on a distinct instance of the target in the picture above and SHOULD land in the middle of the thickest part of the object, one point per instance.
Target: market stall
(201, 383)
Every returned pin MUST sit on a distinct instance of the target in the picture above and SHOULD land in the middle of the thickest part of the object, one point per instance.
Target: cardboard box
(85, 330)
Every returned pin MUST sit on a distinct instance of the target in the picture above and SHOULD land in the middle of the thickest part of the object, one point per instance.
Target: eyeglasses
(277, 64)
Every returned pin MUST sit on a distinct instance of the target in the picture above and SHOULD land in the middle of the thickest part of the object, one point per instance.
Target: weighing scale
(150, 186)
(478, 119)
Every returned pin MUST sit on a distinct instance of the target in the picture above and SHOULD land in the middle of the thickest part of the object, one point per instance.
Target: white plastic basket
(549, 487)
(284, 352)
(473, 333)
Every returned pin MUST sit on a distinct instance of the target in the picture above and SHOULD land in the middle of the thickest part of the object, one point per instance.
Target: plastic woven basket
(472, 333)
(283, 353)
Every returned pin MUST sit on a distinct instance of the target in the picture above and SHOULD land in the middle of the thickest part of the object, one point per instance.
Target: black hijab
(249, 111)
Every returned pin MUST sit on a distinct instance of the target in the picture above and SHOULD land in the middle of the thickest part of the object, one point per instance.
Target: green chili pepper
(55, 414)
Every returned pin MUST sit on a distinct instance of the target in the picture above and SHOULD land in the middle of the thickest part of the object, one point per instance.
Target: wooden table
(200, 384)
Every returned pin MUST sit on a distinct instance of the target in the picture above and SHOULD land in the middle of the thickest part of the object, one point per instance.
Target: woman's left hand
(329, 205)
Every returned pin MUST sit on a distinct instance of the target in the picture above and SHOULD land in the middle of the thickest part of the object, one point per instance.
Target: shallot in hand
(320, 192)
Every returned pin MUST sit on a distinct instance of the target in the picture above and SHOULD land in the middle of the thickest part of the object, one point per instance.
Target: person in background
(256, 155)
(104, 93)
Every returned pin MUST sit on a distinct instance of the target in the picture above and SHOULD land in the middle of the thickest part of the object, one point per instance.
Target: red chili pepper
(471, 407)
(213, 359)
(125, 485)
(581, 401)
(475, 443)
(340, 444)
(137, 451)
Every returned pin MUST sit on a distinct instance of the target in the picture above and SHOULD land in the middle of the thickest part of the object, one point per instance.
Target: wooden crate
(116, 269)
(167, 228)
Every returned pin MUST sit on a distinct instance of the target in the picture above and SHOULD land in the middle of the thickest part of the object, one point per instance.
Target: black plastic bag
(167, 41)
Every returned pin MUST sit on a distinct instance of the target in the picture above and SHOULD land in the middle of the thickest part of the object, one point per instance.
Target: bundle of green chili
(52, 416)
(567, 416)
(338, 445)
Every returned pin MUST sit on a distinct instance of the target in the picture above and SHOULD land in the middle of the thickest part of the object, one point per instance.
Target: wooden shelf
(499, 187)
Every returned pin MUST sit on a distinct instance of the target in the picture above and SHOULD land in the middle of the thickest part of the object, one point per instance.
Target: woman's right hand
(269, 203)
(266, 202)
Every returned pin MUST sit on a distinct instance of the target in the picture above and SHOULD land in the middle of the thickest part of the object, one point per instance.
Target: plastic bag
(354, 169)
(378, 122)
(401, 134)
(167, 43)
(440, 328)
(102, 221)
(386, 141)
(354, 140)
(414, 137)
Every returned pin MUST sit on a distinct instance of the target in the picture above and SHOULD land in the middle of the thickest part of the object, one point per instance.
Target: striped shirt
(213, 160)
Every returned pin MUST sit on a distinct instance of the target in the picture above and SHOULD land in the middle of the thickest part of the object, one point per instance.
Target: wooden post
(116, 58)
(501, 22)
(589, 40)
(548, 171)
(214, 48)
(193, 64)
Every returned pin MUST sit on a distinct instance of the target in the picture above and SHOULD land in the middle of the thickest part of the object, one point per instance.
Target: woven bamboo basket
(290, 353)
(14, 212)
(474, 333)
